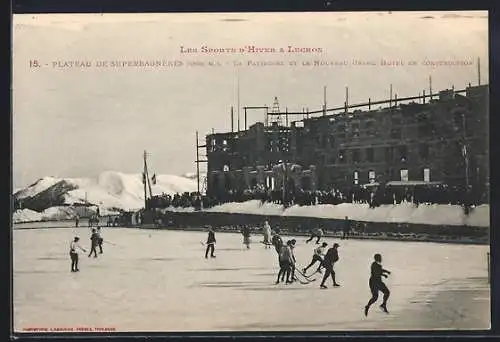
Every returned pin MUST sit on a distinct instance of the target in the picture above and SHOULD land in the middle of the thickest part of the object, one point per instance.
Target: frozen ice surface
(159, 280)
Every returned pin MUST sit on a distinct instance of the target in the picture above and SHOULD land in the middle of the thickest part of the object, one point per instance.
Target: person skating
(317, 257)
(376, 284)
(294, 261)
(346, 228)
(74, 246)
(94, 238)
(246, 236)
(77, 220)
(277, 243)
(267, 234)
(331, 257)
(318, 234)
(210, 243)
(285, 259)
(100, 240)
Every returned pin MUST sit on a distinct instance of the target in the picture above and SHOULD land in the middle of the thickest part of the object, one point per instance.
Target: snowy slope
(37, 187)
(125, 191)
(110, 189)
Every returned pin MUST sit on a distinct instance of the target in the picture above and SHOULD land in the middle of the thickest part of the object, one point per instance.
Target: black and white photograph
(250, 172)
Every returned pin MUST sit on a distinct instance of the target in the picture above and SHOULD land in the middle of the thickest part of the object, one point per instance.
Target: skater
(294, 261)
(317, 256)
(346, 228)
(73, 253)
(277, 242)
(77, 220)
(94, 238)
(246, 236)
(210, 243)
(100, 240)
(331, 257)
(376, 284)
(285, 259)
(267, 234)
(318, 233)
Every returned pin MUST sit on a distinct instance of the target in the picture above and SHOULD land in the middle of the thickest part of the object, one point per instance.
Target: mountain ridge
(110, 189)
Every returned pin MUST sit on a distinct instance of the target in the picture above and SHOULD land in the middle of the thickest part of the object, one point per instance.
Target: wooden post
(430, 88)
(197, 165)
(324, 100)
(232, 119)
(245, 118)
(478, 71)
(488, 260)
(390, 97)
(144, 181)
(346, 99)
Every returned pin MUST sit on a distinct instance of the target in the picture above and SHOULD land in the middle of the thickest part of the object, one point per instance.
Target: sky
(77, 114)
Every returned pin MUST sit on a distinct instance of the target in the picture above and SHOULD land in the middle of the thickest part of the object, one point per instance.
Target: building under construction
(439, 138)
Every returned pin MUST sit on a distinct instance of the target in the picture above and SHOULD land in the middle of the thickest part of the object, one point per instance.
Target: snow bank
(480, 217)
(249, 207)
(26, 215)
(432, 214)
(58, 213)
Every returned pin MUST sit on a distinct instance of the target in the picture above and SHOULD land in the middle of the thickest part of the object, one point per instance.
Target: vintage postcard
(250, 172)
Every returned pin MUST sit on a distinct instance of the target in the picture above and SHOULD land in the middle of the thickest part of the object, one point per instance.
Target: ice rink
(159, 280)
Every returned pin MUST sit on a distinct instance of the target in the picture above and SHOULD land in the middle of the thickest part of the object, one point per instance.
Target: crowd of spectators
(372, 195)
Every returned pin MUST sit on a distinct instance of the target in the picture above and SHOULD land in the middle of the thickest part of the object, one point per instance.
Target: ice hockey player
(74, 246)
(94, 238)
(294, 261)
(267, 234)
(286, 261)
(376, 284)
(318, 254)
(331, 257)
(100, 240)
(77, 220)
(210, 243)
(246, 236)
(318, 233)
(277, 242)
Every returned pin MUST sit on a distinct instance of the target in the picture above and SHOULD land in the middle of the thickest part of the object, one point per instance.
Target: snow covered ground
(159, 280)
(433, 214)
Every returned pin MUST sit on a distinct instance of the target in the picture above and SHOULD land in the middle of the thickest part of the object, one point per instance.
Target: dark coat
(211, 237)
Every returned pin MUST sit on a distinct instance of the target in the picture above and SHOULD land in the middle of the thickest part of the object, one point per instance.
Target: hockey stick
(112, 244)
(302, 281)
(308, 276)
(302, 274)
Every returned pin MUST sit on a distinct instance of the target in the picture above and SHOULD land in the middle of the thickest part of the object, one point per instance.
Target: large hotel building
(426, 139)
